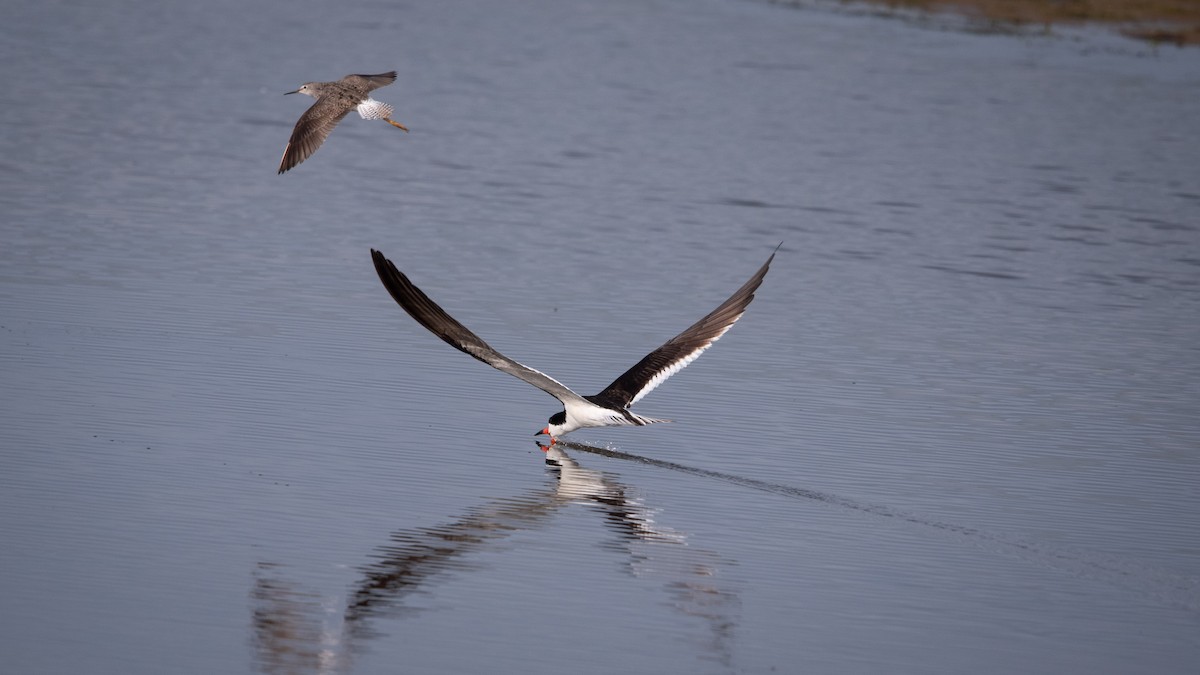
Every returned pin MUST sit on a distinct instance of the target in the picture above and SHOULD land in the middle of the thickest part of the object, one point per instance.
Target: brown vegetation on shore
(1171, 21)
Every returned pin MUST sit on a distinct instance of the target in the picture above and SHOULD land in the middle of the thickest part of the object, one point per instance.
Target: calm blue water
(957, 431)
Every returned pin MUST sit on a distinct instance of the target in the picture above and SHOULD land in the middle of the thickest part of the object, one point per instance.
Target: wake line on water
(1176, 590)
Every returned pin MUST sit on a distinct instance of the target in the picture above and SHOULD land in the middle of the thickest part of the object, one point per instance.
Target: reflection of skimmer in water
(292, 633)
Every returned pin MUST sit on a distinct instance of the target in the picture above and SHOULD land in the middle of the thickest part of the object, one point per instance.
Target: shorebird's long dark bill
(291, 92)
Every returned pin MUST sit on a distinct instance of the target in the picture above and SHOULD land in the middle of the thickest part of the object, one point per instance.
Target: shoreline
(1174, 22)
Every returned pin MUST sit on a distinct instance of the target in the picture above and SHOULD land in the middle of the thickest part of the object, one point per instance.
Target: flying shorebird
(609, 408)
(334, 101)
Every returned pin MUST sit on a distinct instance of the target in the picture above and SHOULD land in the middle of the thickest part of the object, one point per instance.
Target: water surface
(956, 431)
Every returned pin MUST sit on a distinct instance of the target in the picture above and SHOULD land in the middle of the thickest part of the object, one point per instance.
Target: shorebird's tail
(371, 109)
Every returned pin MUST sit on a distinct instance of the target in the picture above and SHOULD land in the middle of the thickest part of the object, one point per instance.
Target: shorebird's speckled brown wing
(311, 131)
(371, 82)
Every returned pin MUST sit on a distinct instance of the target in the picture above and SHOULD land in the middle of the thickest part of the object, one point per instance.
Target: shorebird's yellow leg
(395, 124)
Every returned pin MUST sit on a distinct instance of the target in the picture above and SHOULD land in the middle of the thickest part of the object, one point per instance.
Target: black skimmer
(610, 407)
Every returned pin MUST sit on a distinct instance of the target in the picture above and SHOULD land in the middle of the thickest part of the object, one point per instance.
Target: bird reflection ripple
(297, 631)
